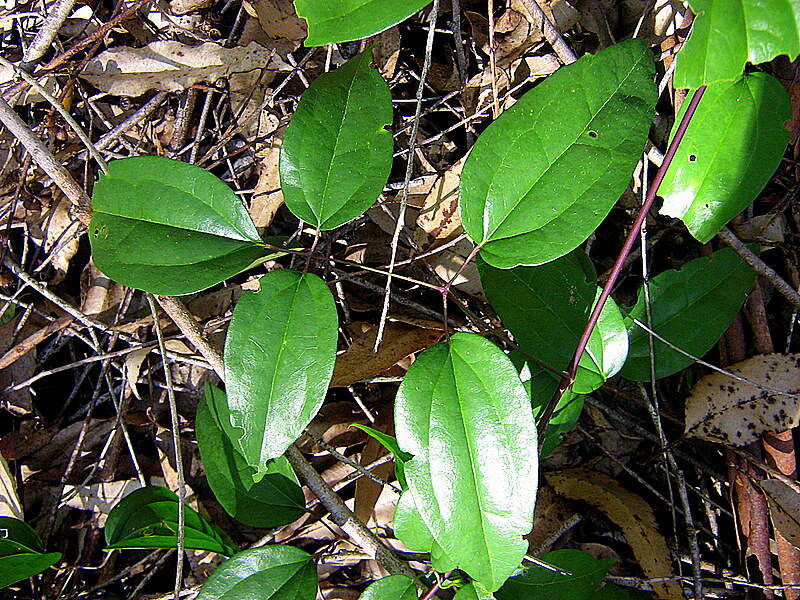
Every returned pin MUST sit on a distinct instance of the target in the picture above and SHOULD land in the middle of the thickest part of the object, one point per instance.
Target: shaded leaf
(463, 414)
(728, 34)
(393, 587)
(347, 20)
(706, 188)
(280, 349)
(390, 443)
(547, 307)
(22, 554)
(633, 516)
(784, 509)
(168, 227)
(691, 308)
(336, 154)
(265, 573)
(722, 409)
(276, 499)
(148, 518)
(533, 189)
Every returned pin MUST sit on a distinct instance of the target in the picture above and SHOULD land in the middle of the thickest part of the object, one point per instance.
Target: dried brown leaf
(438, 217)
(784, 508)
(631, 514)
(722, 409)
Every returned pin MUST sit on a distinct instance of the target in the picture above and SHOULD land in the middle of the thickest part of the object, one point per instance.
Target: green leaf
(148, 518)
(586, 577)
(276, 499)
(168, 227)
(336, 155)
(463, 414)
(22, 554)
(534, 188)
(390, 443)
(348, 20)
(731, 149)
(729, 33)
(265, 573)
(691, 308)
(279, 357)
(547, 307)
(393, 587)
(409, 526)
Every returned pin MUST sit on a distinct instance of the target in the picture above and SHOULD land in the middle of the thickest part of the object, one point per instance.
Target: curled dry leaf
(631, 514)
(438, 217)
(279, 20)
(784, 508)
(171, 66)
(359, 361)
(722, 409)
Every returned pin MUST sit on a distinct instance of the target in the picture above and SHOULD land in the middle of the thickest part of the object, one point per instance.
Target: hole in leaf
(592, 134)
(692, 157)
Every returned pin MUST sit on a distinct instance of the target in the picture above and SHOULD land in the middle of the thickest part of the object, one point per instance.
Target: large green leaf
(586, 577)
(393, 587)
(148, 518)
(168, 227)
(547, 307)
(691, 308)
(347, 20)
(265, 573)
(731, 149)
(409, 526)
(279, 357)
(22, 554)
(276, 499)
(464, 415)
(336, 155)
(543, 176)
(727, 34)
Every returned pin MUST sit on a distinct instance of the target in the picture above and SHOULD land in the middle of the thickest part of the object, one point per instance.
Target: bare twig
(191, 329)
(57, 13)
(551, 32)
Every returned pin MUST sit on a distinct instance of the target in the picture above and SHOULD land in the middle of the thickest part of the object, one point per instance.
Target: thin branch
(189, 326)
(551, 32)
(57, 13)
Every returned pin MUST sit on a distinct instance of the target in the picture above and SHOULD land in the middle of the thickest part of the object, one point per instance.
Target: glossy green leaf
(393, 587)
(583, 582)
(535, 187)
(336, 155)
(390, 443)
(148, 518)
(691, 308)
(265, 573)
(547, 307)
(348, 20)
(727, 34)
(464, 415)
(168, 227)
(409, 526)
(276, 499)
(22, 554)
(706, 186)
(279, 357)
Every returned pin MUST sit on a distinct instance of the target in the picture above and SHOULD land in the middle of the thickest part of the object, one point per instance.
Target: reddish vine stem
(633, 235)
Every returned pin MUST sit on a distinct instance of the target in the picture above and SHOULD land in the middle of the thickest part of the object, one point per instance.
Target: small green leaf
(276, 499)
(691, 308)
(148, 518)
(706, 188)
(393, 587)
(22, 554)
(336, 155)
(168, 227)
(727, 34)
(533, 189)
(279, 357)
(473, 591)
(463, 414)
(348, 20)
(265, 573)
(586, 577)
(390, 443)
(547, 307)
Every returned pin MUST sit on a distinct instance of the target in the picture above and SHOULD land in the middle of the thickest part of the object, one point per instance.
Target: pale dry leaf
(10, 505)
(784, 508)
(438, 217)
(59, 240)
(99, 498)
(631, 514)
(450, 262)
(360, 362)
(722, 409)
(133, 367)
(171, 66)
(267, 195)
(279, 20)
(184, 7)
(386, 50)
